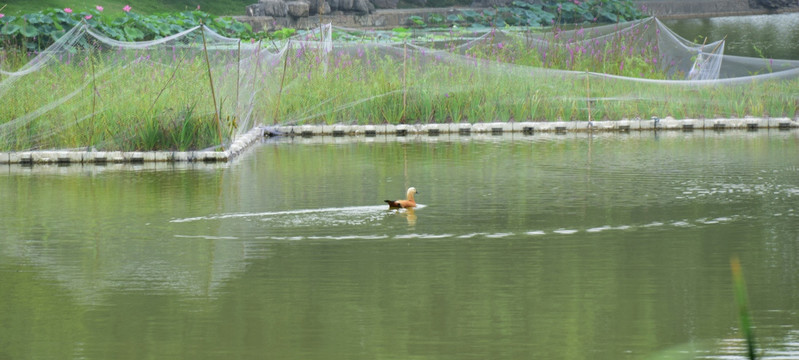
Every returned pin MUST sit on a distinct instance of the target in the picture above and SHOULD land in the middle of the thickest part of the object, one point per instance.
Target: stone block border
(529, 128)
(400, 131)
(62, 157)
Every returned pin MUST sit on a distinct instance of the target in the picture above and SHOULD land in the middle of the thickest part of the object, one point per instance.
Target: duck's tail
(392, 203)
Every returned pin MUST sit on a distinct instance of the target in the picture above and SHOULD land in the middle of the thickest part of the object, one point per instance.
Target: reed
(160, 102)
(741, 299)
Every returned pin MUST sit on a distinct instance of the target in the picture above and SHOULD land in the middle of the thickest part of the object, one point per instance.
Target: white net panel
(90, 91)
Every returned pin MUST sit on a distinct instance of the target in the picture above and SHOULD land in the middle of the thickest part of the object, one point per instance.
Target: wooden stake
(282, 79)
(588, 93)
(404, 80)
(213, 93)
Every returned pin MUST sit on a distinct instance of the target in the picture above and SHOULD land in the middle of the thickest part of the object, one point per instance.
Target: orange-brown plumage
(407, 203)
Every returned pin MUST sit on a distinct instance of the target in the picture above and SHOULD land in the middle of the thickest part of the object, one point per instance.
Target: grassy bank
(175, 95)
(162, 98)
(504, 79)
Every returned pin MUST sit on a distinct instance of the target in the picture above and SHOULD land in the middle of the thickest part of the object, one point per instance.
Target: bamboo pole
(588, 94)
(213, 93)
(404, 80)
(282, 79)
(238, 76)
(94, 94)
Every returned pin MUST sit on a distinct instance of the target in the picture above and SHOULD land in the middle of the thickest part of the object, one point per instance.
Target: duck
(408, 203)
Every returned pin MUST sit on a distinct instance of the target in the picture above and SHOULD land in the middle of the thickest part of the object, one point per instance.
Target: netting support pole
(588, 95)
(238, 78)
(213, 93)
(282, 78)
(94, 96)
(404, 80)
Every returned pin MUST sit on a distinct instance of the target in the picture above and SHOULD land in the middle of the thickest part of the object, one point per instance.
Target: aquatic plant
(743, 307)
(33, 32)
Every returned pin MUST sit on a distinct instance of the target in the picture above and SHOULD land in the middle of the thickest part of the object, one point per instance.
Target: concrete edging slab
(400, 131)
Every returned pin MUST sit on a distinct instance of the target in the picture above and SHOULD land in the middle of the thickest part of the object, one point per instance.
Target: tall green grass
(369, 84)
(92, 102)
(164, 100)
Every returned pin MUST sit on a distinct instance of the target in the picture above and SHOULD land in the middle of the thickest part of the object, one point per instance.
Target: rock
(385, 4)
(315, 6)
(772, 4)
(359, 6)
(268, 8)
(341, 5)
(491, 3)
(298, 9)
(254, 10)
(362, 6)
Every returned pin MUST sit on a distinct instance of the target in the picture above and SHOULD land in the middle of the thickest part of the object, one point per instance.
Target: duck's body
(410, 202)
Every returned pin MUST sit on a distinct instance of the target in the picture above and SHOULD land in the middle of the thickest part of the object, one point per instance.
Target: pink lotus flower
(99, 8)
(198, 6)
(126, 8)
(68, 10)
(1, 15)
(88, 17)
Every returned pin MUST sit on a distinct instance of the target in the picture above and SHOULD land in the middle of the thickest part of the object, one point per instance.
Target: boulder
(491, 3)
(772, 4)
(385, 4)
(254, 10)
(275, 8)
(317, 5)
(340, 5)
(297, 9)
(359, 6)
(363, 6)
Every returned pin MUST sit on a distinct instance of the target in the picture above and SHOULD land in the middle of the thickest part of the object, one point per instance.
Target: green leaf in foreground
(9, 29)
(133, 33)
(29, 31)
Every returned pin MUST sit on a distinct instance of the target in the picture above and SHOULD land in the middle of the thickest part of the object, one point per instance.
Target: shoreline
(387, 19)
(245, 141)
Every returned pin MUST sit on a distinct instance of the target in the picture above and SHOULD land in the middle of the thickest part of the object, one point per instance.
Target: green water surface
(605, 246)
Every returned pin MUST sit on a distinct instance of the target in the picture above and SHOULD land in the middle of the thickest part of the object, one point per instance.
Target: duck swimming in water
(408, 203)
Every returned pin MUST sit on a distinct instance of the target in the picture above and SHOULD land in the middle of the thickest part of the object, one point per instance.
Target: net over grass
(185, 93)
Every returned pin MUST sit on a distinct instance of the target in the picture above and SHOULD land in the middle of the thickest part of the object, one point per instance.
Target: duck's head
(411, 191)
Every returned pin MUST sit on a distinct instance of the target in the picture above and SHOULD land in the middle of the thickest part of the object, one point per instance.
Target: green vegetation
(214, 7)
(741, 299)
(506, 81)
(520, 13)
(104, 96)
(37, 31)
(113, 108)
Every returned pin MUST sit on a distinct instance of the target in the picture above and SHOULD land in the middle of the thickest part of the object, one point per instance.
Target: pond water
(767, 36)
(605, 246)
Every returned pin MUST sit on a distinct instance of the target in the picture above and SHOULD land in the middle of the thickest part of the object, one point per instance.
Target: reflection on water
(600, 246)
(767, 36)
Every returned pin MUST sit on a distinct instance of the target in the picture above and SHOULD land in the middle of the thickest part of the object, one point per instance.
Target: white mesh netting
(184, 92)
